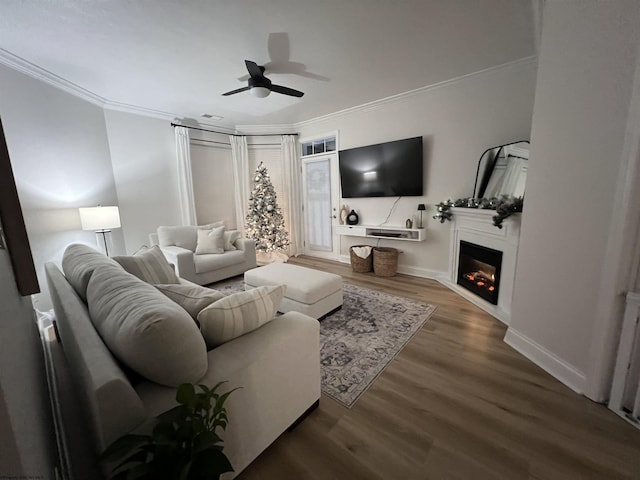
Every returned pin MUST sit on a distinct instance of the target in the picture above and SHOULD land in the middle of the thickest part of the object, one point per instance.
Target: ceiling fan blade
(243, 89)
(254, 70)
(286, 90)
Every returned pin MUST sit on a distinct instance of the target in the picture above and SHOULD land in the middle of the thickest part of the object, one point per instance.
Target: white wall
(586, 66)
(60, 158)
(143, 156)
(458, 120)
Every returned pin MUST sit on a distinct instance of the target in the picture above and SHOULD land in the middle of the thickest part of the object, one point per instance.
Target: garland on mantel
(505, 206)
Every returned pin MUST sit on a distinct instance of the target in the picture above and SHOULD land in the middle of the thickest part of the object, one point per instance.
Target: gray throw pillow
(149, 265)
(193, 298)
(146, 331)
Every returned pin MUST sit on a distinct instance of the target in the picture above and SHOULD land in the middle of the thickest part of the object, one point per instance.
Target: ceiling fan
(260, 85)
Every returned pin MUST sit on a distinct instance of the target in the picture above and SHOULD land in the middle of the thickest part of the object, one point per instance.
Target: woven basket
(359, 264)
(385, 261)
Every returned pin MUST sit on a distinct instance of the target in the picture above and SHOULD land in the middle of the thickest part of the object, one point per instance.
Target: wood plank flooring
(456, 403)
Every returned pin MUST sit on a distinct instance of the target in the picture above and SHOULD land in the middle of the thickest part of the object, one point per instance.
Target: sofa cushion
(149, 265)
(239, 313)
(210, 262)
(183, 236)
(192, 298)
(78, 264)
(210, 241)
(144, 329)
(230, 237)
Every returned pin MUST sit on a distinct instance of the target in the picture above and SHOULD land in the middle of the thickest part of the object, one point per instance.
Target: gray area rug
(360, 340)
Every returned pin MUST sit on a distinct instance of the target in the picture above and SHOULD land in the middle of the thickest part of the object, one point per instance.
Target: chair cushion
(239, 313)
(192, 298)
(210, 262)
(183, 236)
(145, 330)
(149, 265)
(210, 241)
(78, 264)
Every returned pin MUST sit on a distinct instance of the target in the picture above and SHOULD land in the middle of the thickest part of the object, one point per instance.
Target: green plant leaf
(186, 394)
(127, 444)
(205, 441)
(210, 463)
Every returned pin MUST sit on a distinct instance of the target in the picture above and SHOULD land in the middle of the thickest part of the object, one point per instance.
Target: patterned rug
(360, 340)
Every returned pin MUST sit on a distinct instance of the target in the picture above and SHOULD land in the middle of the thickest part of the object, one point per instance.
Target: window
(322, 145)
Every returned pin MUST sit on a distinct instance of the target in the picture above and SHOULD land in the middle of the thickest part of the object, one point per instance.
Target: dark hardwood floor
(456, 403)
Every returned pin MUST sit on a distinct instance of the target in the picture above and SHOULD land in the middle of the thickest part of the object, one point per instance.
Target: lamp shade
(99, 218)
(421, 206)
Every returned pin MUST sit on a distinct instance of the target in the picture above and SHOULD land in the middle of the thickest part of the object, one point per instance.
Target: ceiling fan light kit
(260, 92)
(260, 86)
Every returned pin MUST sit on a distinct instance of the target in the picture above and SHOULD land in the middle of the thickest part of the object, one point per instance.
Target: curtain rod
(234, 134)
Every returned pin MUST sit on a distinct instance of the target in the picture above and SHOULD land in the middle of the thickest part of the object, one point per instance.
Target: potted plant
(183, 444)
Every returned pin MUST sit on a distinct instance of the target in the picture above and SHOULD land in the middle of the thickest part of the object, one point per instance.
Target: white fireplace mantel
(476, 226)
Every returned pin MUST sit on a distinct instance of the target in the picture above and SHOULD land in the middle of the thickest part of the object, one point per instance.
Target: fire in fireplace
(479, 270)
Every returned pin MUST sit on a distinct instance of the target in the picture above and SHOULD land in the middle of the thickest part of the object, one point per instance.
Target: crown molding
(520, 63)
(282, 128)
(23, 66)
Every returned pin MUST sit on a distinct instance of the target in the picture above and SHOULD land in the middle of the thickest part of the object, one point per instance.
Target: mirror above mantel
(502, 170)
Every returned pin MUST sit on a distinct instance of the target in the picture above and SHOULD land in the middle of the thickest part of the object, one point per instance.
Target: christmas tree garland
(505, 206)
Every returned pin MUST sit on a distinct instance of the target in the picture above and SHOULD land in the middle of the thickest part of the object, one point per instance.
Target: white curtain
(185, 178)
(240, 157)
(292, 178)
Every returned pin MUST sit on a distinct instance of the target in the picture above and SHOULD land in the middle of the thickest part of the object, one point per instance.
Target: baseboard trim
(547, 360)
(407, 269)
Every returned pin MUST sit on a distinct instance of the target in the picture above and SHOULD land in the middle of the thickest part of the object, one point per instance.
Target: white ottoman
(311, 292)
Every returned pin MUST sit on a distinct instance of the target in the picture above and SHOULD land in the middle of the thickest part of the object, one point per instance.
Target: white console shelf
(376, 231)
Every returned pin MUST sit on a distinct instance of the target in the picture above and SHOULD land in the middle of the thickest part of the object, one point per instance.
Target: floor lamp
(101, 220)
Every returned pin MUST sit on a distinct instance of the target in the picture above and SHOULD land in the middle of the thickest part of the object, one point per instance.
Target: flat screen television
(391, 169)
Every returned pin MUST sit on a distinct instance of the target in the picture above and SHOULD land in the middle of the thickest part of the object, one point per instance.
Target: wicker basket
(359, 264)
(385, 261)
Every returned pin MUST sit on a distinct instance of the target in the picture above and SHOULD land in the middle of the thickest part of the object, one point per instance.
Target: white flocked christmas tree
(265, 223)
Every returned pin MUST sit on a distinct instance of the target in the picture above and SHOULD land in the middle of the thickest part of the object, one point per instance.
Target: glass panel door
(320, 205)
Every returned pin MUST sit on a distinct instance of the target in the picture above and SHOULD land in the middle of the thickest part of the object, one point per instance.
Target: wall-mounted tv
(391, 169)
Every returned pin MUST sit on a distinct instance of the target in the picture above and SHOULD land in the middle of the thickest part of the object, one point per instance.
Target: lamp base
(103, 238)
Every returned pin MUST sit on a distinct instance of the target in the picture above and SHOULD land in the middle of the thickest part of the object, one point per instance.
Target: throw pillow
(183, 236)
(230, 236)
(78, 264)
(145, 330)
(149, 265)
(210, 241)
(192, 298)
(239, 313)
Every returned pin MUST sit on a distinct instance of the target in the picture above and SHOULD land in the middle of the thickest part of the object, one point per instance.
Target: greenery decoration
(265, 223)
(505, 206)
(183, 444)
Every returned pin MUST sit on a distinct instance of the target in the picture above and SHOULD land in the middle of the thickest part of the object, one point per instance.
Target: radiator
(625, 389)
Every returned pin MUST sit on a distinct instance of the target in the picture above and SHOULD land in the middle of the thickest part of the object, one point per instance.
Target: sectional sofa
(127, 346)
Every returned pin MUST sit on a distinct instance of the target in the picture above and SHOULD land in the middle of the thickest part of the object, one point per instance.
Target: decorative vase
(342, 216)
(409, 223)
(352, 218)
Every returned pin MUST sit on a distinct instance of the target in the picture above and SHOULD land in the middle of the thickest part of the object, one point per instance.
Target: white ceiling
(178, 57)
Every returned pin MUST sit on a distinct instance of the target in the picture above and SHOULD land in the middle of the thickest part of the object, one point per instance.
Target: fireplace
(479, 270)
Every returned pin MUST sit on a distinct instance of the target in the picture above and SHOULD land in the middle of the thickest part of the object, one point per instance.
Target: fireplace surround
(475, 227)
